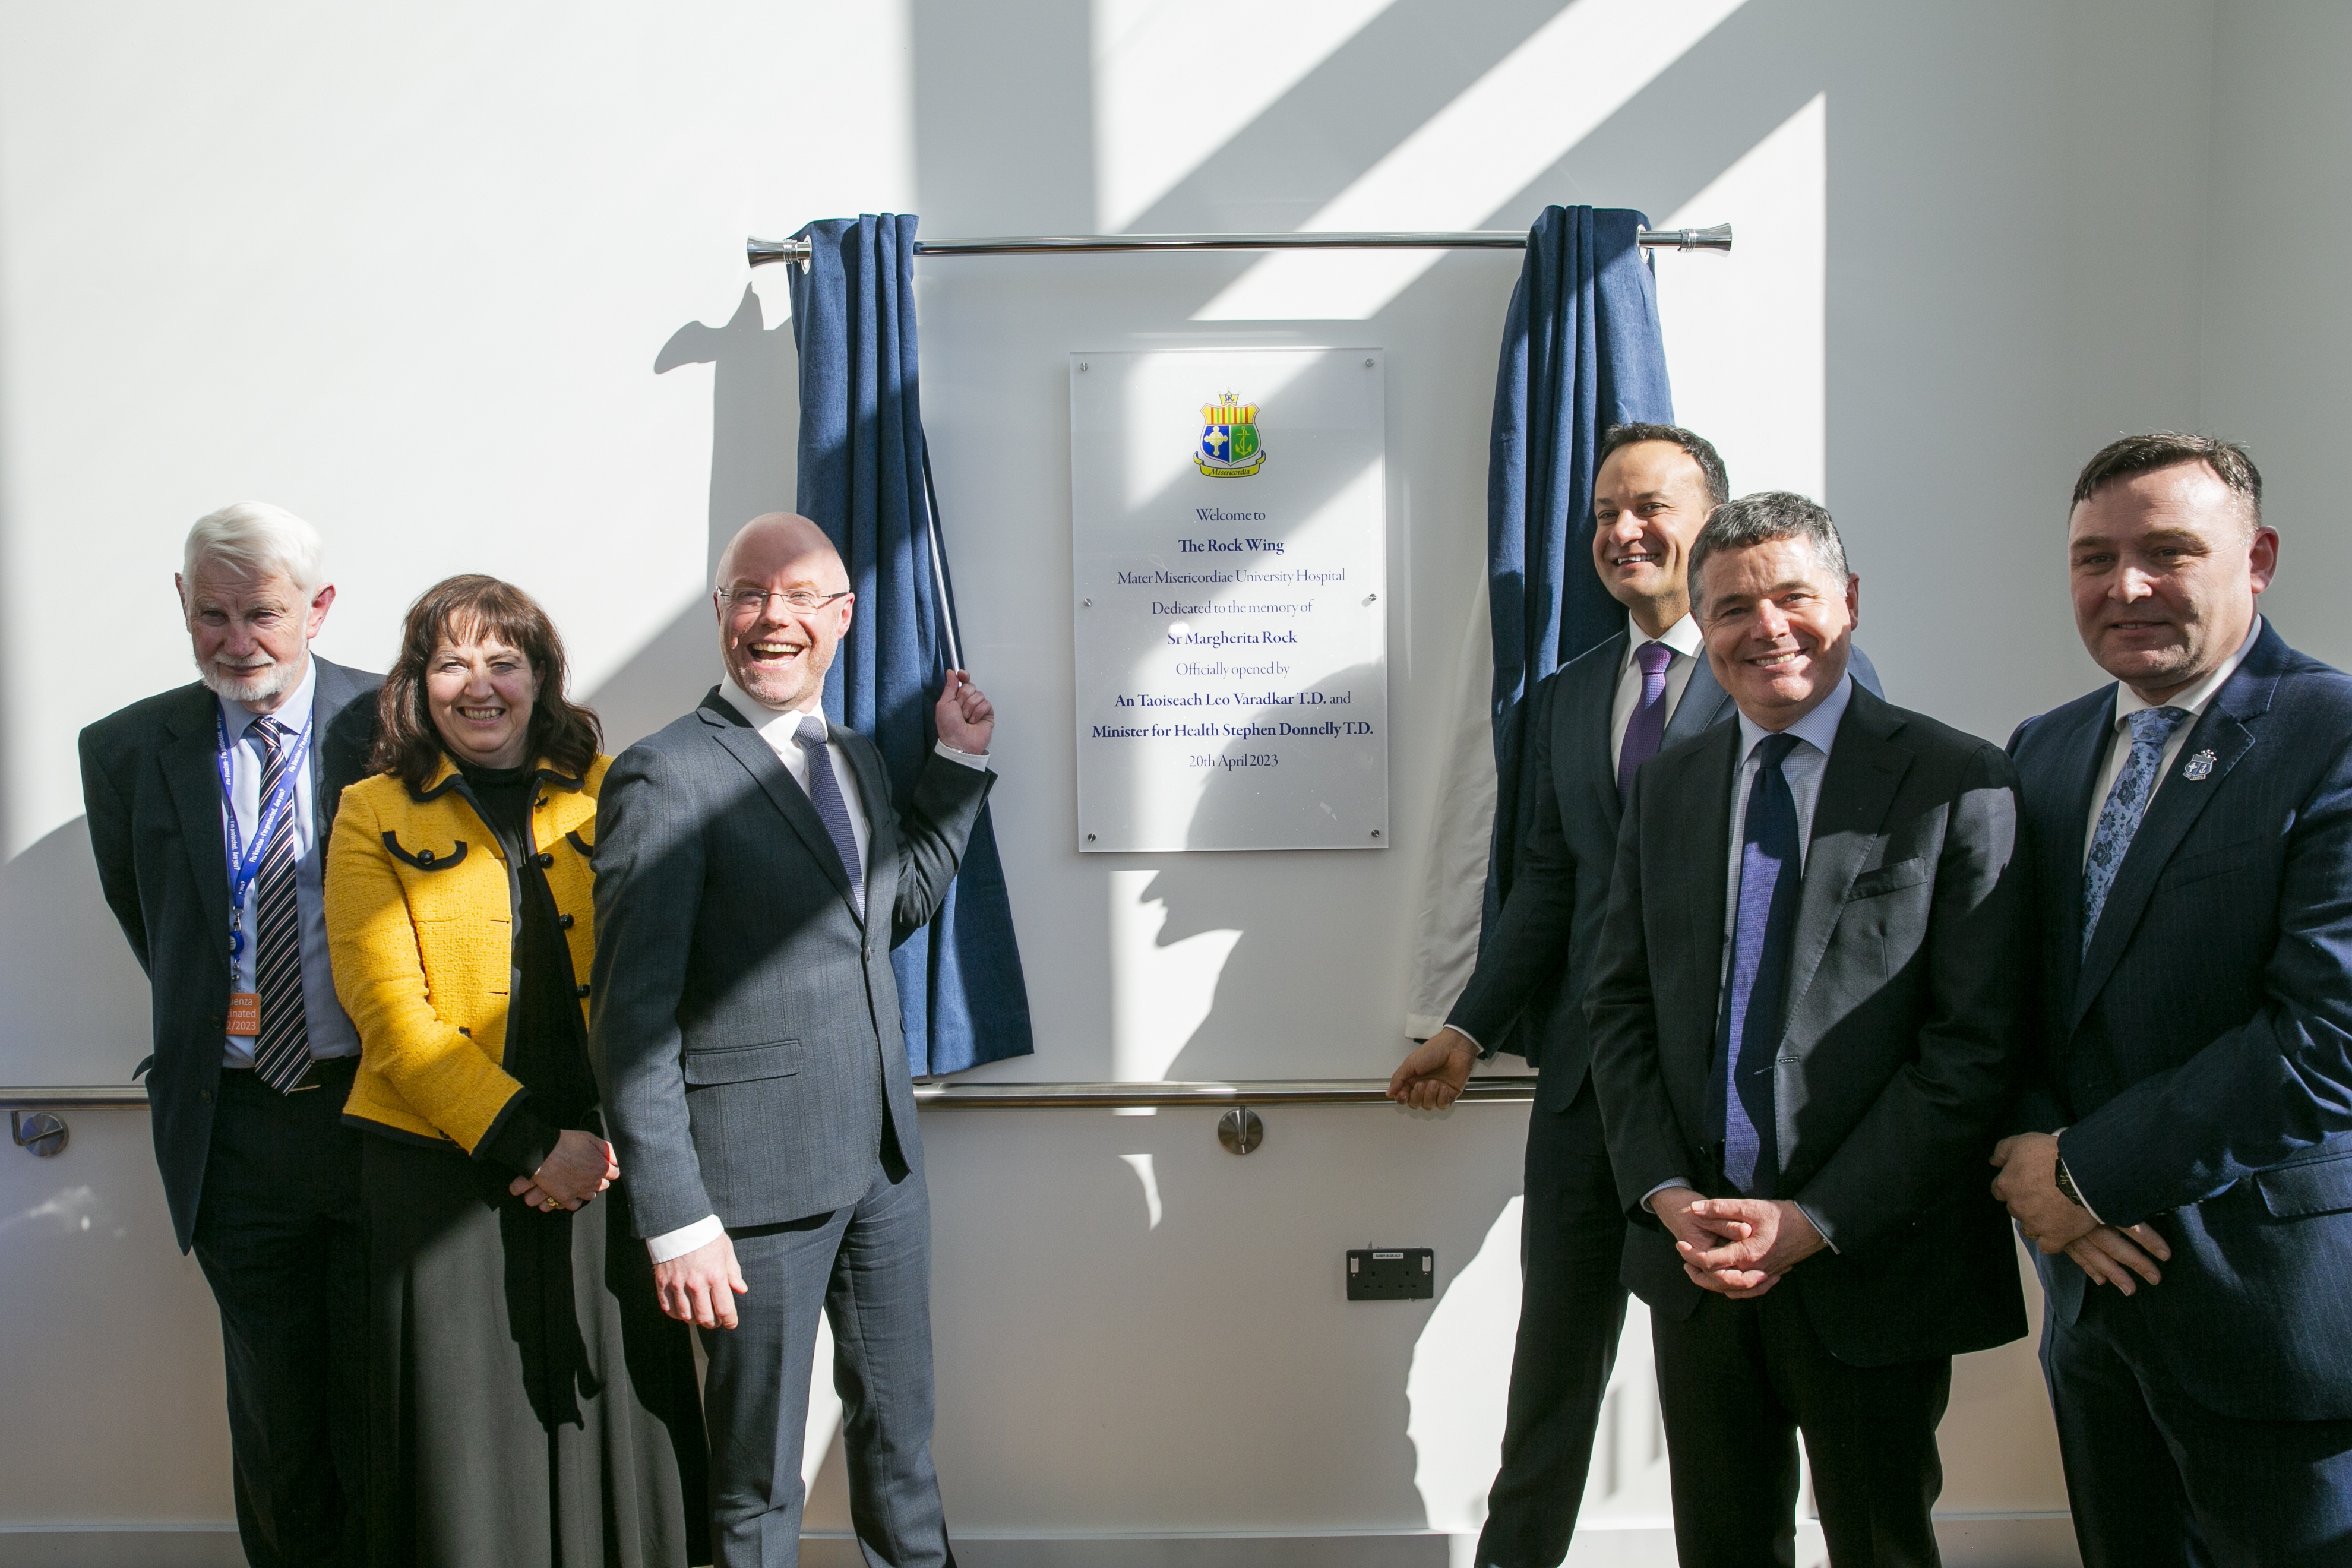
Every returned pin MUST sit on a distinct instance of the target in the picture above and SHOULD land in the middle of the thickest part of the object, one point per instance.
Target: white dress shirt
(1683, 639)
(2195, 700)
(326, 1025)
(777, 726)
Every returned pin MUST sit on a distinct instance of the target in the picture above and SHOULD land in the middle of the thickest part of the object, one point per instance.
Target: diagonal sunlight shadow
(1167, 91)
(1478, 152)
(1293, 152)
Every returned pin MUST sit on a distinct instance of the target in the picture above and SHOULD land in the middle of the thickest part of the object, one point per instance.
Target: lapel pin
(2200, 767)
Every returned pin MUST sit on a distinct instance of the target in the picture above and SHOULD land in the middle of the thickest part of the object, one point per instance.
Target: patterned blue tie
(281, 1050)
(1772, 883)
(825, 793)
(2126, 804)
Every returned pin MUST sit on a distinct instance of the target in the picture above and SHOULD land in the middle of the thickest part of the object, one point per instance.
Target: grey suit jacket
(149, 785)
(743, 1022)
(1900, 1055)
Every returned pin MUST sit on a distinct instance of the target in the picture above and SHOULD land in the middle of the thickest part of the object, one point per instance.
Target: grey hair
(254, 536)
(1762, 518)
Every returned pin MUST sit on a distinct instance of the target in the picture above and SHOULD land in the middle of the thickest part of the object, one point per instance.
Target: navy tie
(281, 1051)
(1648, 722)
(1771, 880)
(825, 793)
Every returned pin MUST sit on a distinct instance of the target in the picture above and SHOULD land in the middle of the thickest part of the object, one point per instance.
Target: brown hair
(466, 609)
(2144, 454)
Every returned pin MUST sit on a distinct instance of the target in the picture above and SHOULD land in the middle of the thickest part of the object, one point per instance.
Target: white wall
(446, 281)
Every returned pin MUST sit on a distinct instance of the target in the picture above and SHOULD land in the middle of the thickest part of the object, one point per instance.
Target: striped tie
(281, 1051)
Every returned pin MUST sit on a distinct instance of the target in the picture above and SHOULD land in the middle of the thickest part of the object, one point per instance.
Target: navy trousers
(281, 1237)
(1572, 1315)
(2157, 1478)
(868, 1269)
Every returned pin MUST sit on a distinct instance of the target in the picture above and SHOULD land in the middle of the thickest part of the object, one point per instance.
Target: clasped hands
(1737, 1247)
(2053, 1222)
(580, 1166)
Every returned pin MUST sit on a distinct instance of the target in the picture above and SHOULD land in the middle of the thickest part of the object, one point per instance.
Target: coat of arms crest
(1228, 447)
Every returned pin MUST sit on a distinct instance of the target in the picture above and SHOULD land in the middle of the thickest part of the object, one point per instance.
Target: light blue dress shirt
(330, 1027)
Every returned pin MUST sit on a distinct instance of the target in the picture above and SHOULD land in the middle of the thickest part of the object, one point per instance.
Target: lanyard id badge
(245, 861)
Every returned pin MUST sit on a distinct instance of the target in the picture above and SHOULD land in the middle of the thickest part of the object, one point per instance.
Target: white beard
(253, 688)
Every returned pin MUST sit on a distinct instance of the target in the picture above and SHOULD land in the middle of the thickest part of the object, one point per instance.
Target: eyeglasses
(800, 601)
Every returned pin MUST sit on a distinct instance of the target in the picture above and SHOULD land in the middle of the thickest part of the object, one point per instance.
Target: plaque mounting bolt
(1376, 833)
(1082, 364)
(1089, 604)
(1090, 838)
(1368, 364)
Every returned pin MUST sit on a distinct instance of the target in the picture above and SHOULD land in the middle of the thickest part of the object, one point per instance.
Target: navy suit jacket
(1897, 1062)
(150, 783)
(2200, 1055)
(1527, 993)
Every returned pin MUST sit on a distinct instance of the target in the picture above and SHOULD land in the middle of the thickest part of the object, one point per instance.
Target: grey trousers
(869, 1268)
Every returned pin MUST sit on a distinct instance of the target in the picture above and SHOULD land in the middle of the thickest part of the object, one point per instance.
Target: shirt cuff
(1485, 1052)
(969, 759)
(678, 1243)
(1662, 1186)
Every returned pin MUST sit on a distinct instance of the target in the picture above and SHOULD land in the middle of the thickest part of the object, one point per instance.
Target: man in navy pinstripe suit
(2188, 1176)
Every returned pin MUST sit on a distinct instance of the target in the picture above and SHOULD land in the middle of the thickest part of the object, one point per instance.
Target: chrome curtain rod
(763, 251)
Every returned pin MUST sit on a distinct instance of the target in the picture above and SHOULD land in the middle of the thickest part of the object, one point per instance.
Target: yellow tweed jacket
(420, 922)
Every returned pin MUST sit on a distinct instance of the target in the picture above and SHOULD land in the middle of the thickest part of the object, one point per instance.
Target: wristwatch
(2066, 1186)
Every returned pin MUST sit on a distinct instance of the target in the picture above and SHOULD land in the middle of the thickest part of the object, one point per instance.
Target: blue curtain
(865, 477)
(1581, 351)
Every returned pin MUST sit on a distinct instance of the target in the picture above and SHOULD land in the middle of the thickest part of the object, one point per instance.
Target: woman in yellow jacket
(529, 1404)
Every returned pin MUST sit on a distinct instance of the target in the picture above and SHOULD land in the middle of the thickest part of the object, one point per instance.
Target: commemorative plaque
(1230, 554)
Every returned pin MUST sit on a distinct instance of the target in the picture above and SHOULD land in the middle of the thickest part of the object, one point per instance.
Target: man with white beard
(209, 810)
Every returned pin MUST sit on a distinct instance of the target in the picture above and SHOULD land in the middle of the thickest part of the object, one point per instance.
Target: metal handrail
(954, 1095)
(75, 1096)
(1273, 1091)
(760, 252)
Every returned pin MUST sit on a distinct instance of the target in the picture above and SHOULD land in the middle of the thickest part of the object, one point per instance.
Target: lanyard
(245, 866)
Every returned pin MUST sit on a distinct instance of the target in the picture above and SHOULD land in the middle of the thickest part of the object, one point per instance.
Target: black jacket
(150, 783)
(1899, 1062)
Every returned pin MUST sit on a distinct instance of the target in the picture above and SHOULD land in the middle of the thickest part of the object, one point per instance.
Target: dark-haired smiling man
(1591, 726)
(2189, 1177)
(1803, 1019)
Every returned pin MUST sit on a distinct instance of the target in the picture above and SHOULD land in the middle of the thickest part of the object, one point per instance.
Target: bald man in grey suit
(751, 879)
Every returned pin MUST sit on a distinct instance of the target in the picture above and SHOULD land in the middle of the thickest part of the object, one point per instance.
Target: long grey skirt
(530, 1406)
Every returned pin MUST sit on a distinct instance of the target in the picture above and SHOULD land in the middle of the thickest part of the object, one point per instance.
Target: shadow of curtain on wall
(755, 401)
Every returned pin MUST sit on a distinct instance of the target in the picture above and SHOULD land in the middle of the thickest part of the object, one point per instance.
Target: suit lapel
(2063, 838)
(2179, 802)
(874, 788)
(1704, 811)
(1587, 727)
(1865, 768)
(191, 763)
(328, 695)
(1705, 704)
(746, 746)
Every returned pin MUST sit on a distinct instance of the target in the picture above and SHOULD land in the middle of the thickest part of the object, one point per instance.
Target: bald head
(781, 539)
(783, 603)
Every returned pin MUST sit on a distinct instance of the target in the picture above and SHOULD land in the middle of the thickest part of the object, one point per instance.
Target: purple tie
(1649, 719)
